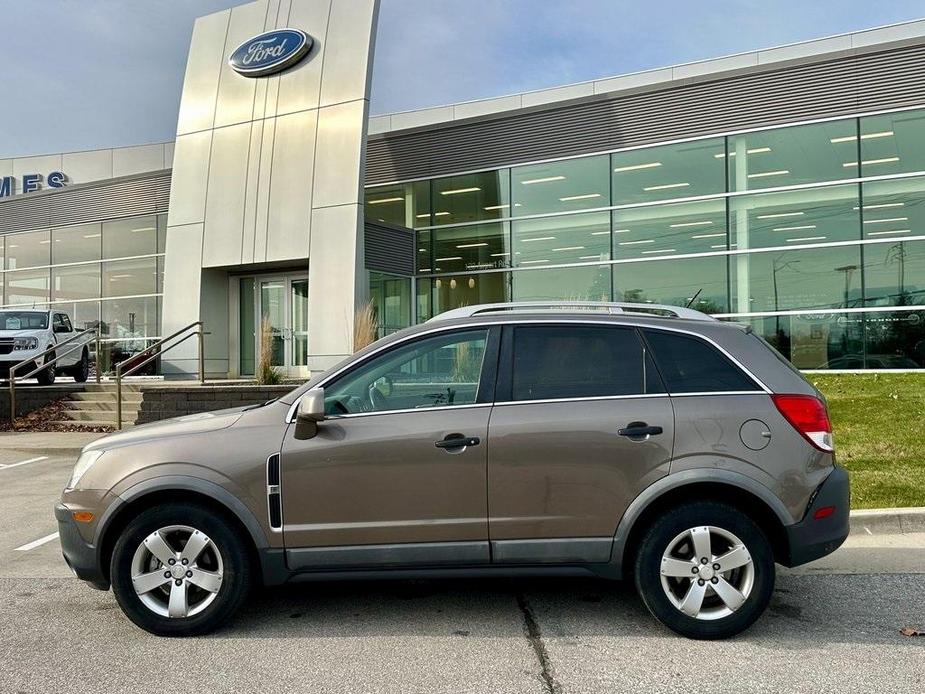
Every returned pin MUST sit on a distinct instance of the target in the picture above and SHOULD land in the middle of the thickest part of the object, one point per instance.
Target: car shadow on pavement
(805, 612)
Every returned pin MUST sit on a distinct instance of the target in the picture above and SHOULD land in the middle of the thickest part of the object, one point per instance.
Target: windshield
(23, 320)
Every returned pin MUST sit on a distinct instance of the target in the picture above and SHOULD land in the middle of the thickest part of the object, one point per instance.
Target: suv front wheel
(179, 570)
(705, 570)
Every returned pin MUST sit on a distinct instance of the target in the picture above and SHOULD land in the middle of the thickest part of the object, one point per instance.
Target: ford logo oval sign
(270, 52)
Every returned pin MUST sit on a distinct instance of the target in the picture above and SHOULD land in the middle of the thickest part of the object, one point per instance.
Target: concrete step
(102, 405)
(128, 396)
(97, 415)
(111, 387)
(91, 423)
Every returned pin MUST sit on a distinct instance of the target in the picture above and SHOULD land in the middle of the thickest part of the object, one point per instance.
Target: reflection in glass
(561, 186)
(391, 300)
(892, 143)
(894, 340)
(566, 239)
(76, 244)
(817, 215)
(683, 170)
(27, 286)
(423, 258)
(791, 280)
(662, 230)
(129, 277)
(75, 282)
(815, 341)
(273, 315)
(247, 326)
(29, 249)
(479, 247)
(894, 274)
(299, 321)
(454, 291)
(124, 238)
(894, 209)
(675, 282)
(405, 204)
(469, 198)
(586, 283)
(789, 156)
(130, 318)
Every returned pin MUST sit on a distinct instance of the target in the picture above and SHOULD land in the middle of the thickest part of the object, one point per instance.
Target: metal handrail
(156, 346)
(46, 364)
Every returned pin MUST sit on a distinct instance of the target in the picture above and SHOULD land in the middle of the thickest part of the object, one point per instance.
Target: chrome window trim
(589, 398)
(617, 320)
(677, 141)
(718, 392)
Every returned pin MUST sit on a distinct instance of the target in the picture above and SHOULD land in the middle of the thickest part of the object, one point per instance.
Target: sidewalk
(55, 442)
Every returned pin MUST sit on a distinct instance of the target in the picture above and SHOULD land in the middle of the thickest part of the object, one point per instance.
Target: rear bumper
(81, 556)
(811, 539)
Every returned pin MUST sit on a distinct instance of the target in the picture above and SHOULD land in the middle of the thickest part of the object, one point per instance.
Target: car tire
(46, 376)
(81, 370)
(715, 599)
(216, 575)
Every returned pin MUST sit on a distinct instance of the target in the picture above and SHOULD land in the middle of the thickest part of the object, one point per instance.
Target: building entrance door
(279, 304)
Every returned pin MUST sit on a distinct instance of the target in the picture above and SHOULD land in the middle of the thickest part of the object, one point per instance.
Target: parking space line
(37, 543)
(24, 462)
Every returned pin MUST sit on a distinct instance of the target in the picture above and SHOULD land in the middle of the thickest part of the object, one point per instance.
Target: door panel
(561, 470)
(379, 479)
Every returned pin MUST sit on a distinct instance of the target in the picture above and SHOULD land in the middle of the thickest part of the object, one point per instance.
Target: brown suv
(604, 439)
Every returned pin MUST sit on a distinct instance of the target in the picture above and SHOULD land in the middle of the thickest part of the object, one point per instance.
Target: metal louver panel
(91, 202)
(839, 86)
(389, 248)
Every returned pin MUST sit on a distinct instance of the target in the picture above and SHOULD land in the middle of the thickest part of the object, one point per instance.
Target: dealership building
(783, 188)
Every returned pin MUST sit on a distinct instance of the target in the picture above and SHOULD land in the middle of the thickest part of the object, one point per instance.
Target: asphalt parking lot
(832, 626)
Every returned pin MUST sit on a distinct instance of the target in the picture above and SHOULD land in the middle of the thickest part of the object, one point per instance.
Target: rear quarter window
(691, 365)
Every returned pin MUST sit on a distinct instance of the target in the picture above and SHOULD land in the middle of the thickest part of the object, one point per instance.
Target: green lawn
(879, 425)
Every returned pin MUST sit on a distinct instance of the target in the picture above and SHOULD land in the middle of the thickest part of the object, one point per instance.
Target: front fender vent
(274, 502)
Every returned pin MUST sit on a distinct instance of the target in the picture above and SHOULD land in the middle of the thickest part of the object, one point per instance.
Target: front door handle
(457, 441)
(639, 430)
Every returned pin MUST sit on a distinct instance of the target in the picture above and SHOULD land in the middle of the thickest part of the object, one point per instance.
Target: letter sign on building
(31, 183)
(270, 52)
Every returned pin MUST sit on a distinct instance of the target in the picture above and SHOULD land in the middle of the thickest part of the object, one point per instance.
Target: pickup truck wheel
(705, 570)
(81, 370)
(46, 376)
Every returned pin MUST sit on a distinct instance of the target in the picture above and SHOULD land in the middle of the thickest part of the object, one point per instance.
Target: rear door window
(577, 361)
(691, 365)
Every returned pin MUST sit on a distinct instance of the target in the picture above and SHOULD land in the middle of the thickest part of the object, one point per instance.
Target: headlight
(25, 343)
(84, 462)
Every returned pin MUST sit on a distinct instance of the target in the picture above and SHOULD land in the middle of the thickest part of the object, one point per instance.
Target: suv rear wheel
(179, 570)
(705, 570)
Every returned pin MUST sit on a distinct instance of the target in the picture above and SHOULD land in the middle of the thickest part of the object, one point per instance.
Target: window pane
(467, 290)
(894, 274)
(391, 300)
(816, 341)
(819, 215)
(83, 314)
(127, 277)
(576, 362)
(75, 282)
(423, 256)
(432, 372)
(470, 198)
(895, 340)
(130, 318)
(690, 365)
(28, 250)
(130, 237)
(404, 204)
(478, 247)
(788, 156)
(27, 287)
(672, 171)
(588, 283)
(561, 186)
(75, 244)
(555, 240)
(674, 282)
(687, 227)
(894, 209)
(161, 233)
(892, 143)
(804, 279)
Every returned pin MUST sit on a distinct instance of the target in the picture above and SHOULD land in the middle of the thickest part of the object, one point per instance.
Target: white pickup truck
(26, 333)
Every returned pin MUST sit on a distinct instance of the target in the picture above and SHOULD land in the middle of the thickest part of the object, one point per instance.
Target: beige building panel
(168, 155)
(337, 154)
(132, 160)
(224, 221)
(36, 165)
(235, 99)
(298, 89)
(263, 190)
(200, 84)
(83, 167)
(190, 179)
(290, 186)
(346, 74)
(250, 192)
(183, 263)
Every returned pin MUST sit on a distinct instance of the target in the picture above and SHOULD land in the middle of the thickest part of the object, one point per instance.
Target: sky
(86, 74)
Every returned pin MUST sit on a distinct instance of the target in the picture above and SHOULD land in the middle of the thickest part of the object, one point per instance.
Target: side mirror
(309, 412)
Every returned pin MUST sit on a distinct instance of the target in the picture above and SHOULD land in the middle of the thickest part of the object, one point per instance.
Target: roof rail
(658, 310)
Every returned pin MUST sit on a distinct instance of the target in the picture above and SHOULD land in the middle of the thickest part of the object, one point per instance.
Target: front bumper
(811, 539)
(9, 363)
(81, 556)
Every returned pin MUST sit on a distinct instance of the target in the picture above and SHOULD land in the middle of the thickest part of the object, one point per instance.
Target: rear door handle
(457, 441)
(639, 430)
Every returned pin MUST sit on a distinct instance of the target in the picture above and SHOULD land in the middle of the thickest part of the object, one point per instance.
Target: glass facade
(814, 234)
(107, 275)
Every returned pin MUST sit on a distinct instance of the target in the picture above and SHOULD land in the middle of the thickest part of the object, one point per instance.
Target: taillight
(808, 416)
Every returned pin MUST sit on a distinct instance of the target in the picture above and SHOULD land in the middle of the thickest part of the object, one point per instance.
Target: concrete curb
(888, 521)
